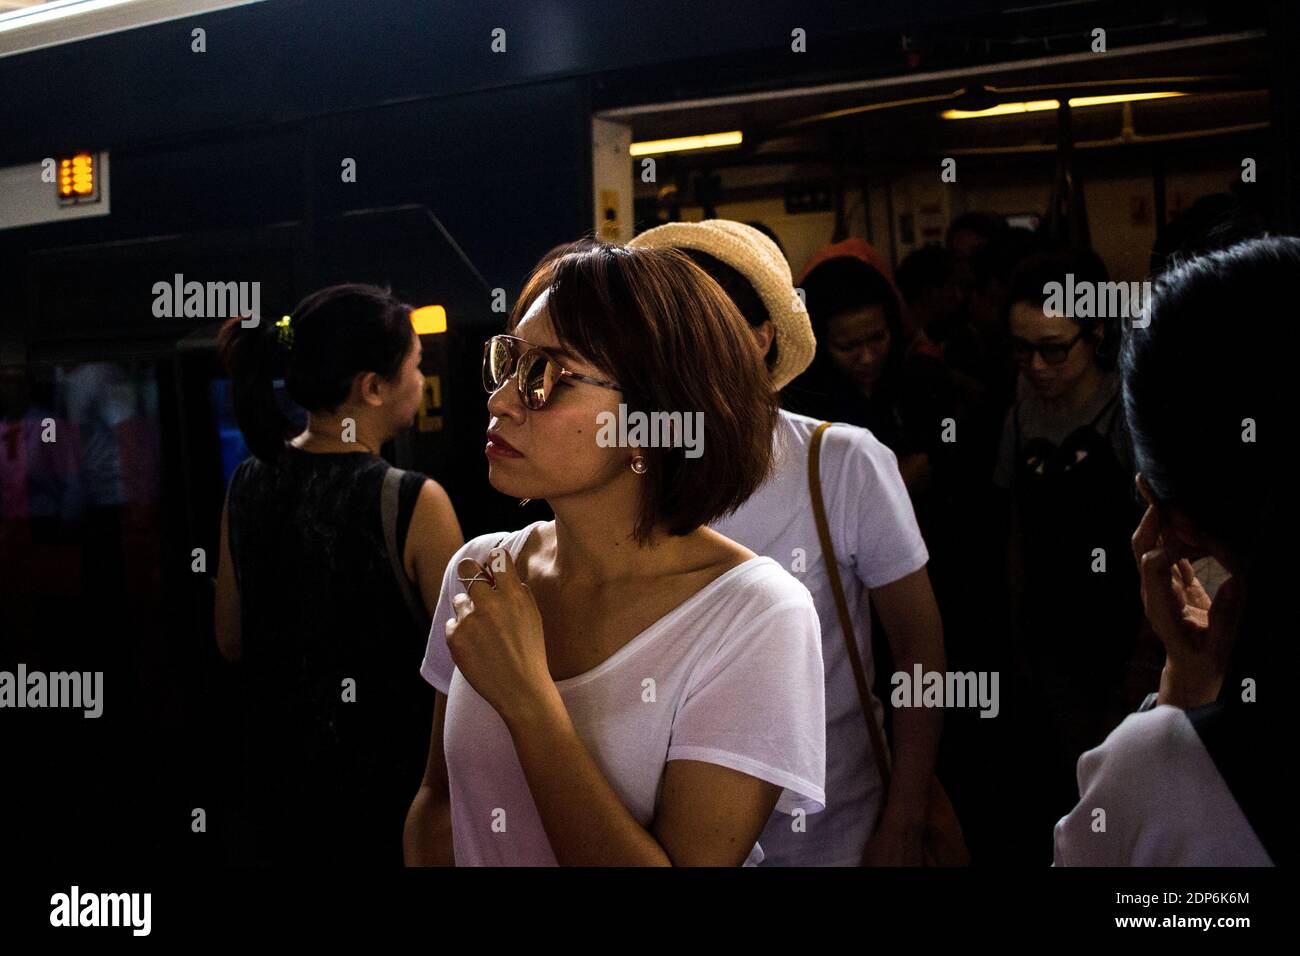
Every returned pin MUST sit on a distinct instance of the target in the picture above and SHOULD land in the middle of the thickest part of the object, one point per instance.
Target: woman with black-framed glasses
(1065, 461)
(622, 685)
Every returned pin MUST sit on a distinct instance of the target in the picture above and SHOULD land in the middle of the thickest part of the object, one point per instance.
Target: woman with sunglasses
(1065, 462)
(622, 685)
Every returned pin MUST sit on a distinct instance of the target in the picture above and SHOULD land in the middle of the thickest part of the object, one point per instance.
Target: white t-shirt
(737, 681)
(877, 541)
(1165, 802)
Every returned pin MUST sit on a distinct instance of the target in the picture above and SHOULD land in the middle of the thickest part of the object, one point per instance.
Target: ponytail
(254, 359)
(335, 334)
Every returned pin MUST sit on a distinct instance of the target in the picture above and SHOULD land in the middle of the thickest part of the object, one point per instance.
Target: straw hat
(758, 259)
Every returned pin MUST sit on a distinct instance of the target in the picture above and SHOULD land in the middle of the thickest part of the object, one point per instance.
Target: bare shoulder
(537, 550)
(432, 496)
(434, 513)
(434, 530)
(720, 552)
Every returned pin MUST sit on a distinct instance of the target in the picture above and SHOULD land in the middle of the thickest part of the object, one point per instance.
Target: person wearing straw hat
(879, 555)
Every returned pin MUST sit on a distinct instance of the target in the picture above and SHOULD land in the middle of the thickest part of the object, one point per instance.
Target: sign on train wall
(31, 192)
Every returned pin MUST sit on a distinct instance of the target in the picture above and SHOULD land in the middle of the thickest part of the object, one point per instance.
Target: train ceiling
(1222, 79)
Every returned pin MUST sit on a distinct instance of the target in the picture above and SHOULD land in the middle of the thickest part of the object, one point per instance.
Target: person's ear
(763, 336)
(1181, 538)
(1145, 490)
(369, 388)
(1177, 533)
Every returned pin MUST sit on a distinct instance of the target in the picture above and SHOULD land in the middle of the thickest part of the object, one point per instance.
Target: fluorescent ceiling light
(1034, 106)
(57, 10)
(709, 141)
(65, 21)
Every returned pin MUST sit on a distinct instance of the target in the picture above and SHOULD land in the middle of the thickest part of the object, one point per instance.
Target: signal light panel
(78, 179)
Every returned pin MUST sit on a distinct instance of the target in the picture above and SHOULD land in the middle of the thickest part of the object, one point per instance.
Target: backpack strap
(865, 697)
(388, 505)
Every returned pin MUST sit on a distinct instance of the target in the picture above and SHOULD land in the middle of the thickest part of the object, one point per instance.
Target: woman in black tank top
(334, 716)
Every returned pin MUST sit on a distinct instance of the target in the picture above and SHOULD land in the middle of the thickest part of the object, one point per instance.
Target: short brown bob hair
(656, 323)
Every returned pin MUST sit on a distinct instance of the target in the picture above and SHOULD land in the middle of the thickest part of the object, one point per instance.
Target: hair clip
(284, 331)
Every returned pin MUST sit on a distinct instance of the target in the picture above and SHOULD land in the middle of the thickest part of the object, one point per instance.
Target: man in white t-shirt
(878, 549)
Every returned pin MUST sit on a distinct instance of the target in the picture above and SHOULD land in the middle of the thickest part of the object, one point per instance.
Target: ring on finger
(480, 576)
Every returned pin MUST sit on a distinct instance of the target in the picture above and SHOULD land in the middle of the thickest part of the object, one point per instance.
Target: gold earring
(524, 501)
(639, 465)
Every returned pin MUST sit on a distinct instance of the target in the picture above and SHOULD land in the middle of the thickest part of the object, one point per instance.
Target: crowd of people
(694, 661)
